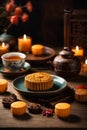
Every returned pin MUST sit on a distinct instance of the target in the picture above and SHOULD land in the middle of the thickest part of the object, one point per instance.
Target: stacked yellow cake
(38, 81)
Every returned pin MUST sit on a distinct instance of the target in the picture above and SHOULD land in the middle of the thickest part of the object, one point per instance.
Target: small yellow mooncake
(37, 49)
(62, 110)
(18, 108)
(3, 85)
(81, 95)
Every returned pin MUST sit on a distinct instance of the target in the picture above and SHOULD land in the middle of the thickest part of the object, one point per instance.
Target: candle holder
(78, 52)
(24, 44)
(4, 48)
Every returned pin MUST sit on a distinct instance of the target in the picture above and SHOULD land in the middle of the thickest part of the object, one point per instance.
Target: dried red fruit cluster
(81, 87)
(48, 112)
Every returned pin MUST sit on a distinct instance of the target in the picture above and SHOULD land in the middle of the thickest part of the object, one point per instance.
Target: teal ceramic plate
(7, 72)
(59, 84)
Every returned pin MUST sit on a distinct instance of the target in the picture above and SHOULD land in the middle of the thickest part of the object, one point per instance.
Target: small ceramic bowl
(13, 60)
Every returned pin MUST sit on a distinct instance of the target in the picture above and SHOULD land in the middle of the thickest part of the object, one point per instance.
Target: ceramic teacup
(13, 60)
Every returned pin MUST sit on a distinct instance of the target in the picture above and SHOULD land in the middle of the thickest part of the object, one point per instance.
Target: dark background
(50, 18)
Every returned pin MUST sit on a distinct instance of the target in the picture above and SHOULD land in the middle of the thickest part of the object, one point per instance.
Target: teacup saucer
(7, 72)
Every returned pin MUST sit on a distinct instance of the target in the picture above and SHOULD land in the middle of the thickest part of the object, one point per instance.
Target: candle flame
(3, 44)
(77, 48)
(24, 36)
(86, 61)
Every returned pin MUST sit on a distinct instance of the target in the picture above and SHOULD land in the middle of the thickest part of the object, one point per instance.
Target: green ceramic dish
(59, 85)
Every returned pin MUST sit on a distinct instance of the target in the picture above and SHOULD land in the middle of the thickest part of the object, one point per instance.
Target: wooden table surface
(77, 119)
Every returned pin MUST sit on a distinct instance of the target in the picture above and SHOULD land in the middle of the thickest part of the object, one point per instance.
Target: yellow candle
(4, 47)
(85, 66)
(78, 51)
(24, 43)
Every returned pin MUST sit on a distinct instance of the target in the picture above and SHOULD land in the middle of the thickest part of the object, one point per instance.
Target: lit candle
(78, 51)
(85, 66)
(24, 43)
(4, 47)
